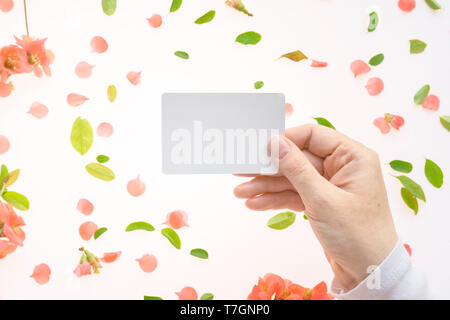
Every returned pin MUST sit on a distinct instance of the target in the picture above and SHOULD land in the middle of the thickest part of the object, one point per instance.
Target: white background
(241, 247)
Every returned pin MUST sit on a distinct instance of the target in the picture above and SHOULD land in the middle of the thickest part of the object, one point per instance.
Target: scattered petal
(318, 64)
(83, 269)
(5, 89)
(374, 86)
(148, 263)
(396, 121)
(407, 5)
(382, 124)
(38, 110)
(83, 70)
(431, 102)
(87, 230)
(359, 67)
(85, 207)
(6, 5)
(41, 273)
(288, 109)
(408, 248)
(4, 144)
(187, 293)
(75, 99)
(109, 257)
(155, 21)
(134, 77)
(105, 130)
(98, 44)
(136, 187)
(177, 219)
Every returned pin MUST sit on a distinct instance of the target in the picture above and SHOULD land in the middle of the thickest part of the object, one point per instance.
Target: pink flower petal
(359, 67)
(408, 248)
(406, 5)
(177, 219)
(382, 124)
(318, 64)
(83, 269)
(38, 110)
(136, 187)
(374, 86)
(105, 130)
(148, 263)
(109, 257)
(41, 273)
(87, 230)
(75, 99)
(187, 293)
(6, 5)
(83, 70)
(155, 21)
(98, 44)
(134, 77)
(431, 102)
(5, 89)
(288, 109)
(85, 207)
(4, 144)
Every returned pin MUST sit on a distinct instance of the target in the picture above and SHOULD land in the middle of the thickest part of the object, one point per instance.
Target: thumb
(296, 167)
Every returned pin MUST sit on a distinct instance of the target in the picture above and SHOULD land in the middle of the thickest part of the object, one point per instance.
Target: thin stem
(26, 16)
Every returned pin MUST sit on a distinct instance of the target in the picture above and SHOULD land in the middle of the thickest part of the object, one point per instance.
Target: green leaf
(421, 94)
(416, 46)
(249, 37)
(175, 5)
(373, 23)
(152, 298)
(259, 84)
(412, 187)
(3, 174)
(102, 158)
(100, 171)
(17, 200)
(172, 236)
(11, 178)
(109, 7)
(434, 173)
(282, 220)
(401, 166)
(376, 60)
(324, 122)
(182, 54)
(140, 225)
(207, 296)
(305, 217)
(433, 4)
(410, 200)
(207, 17)
(112, 93)
(445, 121)
(200, 253)
(82, 135)
(99, 232)
(295, 56)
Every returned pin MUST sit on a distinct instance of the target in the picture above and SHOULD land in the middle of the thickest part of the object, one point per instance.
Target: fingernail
(280, 144)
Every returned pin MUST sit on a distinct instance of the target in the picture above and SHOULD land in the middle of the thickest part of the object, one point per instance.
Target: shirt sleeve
(396, 278)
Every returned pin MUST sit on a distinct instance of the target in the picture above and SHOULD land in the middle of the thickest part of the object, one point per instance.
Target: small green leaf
(152, 298)
(175, 5)
(109, 7)
(200, 253)
(421, 94)
(11, 178)
(99, 232)
(182, 54)
(324, 122)
(17, 200)
(412, 187)
(140, 225)
(172, 236)
(295, 56)
(100, 171)
(434, 173)
(416, 46)
(433, 4)
(401, 166)
(207, 296)
(305, 217)
(102, 158)
(410, 200)
(207, 17)
(373, 23)
(249, 37)
(376, 60)
(259, 84)
(282, 220)
(82, 135)
(112, 93)
(3, 174)
(445, 121)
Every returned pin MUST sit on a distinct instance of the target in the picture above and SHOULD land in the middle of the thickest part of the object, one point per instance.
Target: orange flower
(37, 54)
(13, 59)
(10, 224)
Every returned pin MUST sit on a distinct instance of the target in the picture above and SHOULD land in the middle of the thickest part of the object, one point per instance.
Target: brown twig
(26, 16)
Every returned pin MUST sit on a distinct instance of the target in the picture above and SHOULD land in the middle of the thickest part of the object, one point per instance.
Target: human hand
(338, 183)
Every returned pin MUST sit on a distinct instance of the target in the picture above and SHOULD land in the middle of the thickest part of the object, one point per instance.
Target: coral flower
(37, 55)
(13, 59)
(10, 224)
(6, 248)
